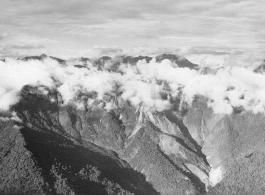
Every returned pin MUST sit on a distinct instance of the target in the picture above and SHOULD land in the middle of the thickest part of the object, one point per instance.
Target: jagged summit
(42, 57)
(180, 61)
(261, 68)
(134, 60)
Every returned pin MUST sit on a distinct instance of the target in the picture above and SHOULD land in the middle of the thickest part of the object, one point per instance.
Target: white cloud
(65, 27)
(152, 85)
(208, 60)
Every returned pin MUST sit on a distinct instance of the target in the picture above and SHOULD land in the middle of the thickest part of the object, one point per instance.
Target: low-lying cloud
(153, 85)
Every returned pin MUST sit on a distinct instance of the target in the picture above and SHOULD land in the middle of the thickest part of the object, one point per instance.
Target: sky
(216, 32)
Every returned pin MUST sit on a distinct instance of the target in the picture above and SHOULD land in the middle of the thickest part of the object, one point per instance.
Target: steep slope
(62, 163)
(234, 148)
(151, 144)
(195, 151)
(18, 171)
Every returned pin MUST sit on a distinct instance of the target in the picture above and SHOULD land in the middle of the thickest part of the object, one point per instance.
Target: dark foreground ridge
(36, 162)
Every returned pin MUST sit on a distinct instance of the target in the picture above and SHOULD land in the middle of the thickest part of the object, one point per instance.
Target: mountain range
(51, 147)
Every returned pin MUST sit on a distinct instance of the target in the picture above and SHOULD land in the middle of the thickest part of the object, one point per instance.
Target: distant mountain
(134, 60)
(261, 68)
(180, 61)
(42, 57)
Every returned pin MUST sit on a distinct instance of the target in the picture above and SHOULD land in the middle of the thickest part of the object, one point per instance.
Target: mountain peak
(43, 55)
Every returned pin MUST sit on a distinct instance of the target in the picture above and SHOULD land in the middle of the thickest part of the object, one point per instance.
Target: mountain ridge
(113, 146)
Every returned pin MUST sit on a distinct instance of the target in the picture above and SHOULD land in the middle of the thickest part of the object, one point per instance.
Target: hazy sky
(216, 31)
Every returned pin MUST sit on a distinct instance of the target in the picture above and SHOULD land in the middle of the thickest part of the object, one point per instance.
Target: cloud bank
(153, 85)
(66, 28)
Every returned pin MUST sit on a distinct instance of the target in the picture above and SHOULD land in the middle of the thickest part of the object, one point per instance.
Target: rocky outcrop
(260, 68)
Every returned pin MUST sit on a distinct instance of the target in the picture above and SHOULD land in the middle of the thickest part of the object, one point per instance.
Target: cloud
(144, 50)
(220, 59)
(20, 50)
(166, 23)
(99, 51)
(1, 37)
(155, 86)
(16, 74)
(26, 47)
(22, 44)
(209, 60)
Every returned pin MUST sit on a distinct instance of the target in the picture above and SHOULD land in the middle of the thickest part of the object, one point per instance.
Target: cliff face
(48, 147)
